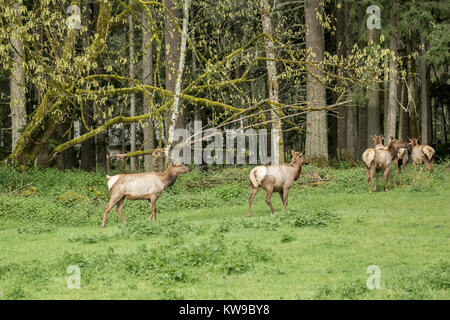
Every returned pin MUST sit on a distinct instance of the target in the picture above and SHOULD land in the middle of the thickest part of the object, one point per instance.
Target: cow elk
(140, 186)
(378, 140)
(402, 158)
(422, 154)
(276, 179)
(376, 160)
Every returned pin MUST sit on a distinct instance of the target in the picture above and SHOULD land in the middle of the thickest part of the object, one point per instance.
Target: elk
(276, 179)
(376, 160)
(140, 186)
(378, 140)
(422, 154)
(401, 159)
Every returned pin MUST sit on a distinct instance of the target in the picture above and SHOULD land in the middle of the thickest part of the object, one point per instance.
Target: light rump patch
(276, 179)
(141, 186)
(111, 181)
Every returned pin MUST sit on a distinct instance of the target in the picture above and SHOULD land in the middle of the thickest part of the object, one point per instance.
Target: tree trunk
(176, 110)
(316, 127)
(172, 56)
(101, 138)
(425, 105)
(147, 79)
(272, 84)
(341, 49)
(373, 105)
(412, 109)
(87, 152)
(352, 128)
(65, 158)
(133, 97)
(444, 123)
(17, 84)
(403, 123)
(391, 117)
(362, 129)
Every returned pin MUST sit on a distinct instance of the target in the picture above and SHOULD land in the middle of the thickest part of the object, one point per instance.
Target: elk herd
(381, 158)
(275, 178)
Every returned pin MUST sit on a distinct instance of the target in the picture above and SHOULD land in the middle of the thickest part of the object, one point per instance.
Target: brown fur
(141, 186)
(422, 154)
(276, 178)
(376, 160)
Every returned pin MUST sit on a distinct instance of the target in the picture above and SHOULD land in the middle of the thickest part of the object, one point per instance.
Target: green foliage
(33, 229)
(171, 228)
(307, 217)
(216, 250)
(70, 197)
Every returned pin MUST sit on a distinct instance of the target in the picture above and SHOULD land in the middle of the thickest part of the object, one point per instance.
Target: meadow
(205, 247)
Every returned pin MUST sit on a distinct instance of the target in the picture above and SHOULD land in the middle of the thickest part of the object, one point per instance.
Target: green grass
(205, 247)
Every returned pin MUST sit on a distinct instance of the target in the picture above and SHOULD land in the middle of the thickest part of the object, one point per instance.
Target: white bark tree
(176, 103)
(272, 84)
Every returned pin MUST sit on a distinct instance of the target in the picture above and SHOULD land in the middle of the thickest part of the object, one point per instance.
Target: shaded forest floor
(205, 247)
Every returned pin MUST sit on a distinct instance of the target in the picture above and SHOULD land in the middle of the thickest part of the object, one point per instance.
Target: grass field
(205, 247)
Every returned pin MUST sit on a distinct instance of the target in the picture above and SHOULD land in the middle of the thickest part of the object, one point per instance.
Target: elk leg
(112, 202)
(385, 178)
(429, 165)
(376, 180)
(268, 197)
(250, 200)
(369, 180)
(153, 204)
(119, 209)
(282, 198)
(285, 199)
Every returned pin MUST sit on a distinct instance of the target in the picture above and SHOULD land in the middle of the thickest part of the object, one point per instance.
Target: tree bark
(133, 97)
(425, 105)
(391, 117)
(373, 105)
(412, 92)
(316, 127)
(177, 110)
(272, 84)
(147, 79)
(362, 129)
(352, 128)
(65, 159)
(341, 49)
(17, 84)
(172, 56)
(403, 124)
(87, 151)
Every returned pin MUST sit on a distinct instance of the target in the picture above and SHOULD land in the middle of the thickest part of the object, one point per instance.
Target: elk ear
(292, 152)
